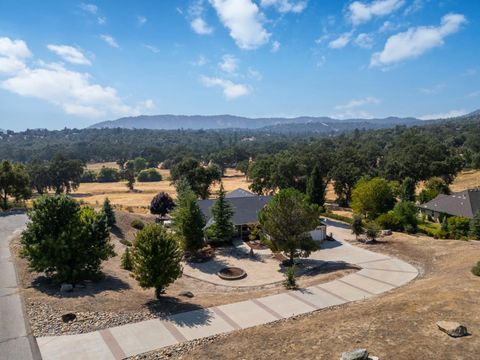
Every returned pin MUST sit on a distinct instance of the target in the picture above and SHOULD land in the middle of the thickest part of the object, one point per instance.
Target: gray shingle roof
(464, 203)
(239, 193)
(245, 208)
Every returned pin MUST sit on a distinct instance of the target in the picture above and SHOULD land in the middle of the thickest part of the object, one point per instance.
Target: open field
(466, 180)
(95, 193)
(397, 325)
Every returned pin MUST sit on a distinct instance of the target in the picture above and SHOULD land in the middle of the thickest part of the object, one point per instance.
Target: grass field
(95, 193)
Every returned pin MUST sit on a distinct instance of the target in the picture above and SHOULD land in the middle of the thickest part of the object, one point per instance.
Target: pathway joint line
(332, 293)
(174, 331)
(112, 344)
(226, 318)
(380, 281)
(390, 270)
(370, 261)
(356, 287)
(267, 309)
(306, 302)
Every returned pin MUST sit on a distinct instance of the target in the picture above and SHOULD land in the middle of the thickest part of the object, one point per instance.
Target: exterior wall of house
(319, 234)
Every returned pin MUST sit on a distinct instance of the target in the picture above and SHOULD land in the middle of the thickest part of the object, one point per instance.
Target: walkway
(379, 273)
(16, 342)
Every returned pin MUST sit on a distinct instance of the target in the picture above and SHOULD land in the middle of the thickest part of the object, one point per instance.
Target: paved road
(16, 342)
(379, 273)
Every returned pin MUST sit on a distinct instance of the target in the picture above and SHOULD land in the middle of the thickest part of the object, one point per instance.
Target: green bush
(108, 175)
(389, 221)
(331, 215)
(125, 242)
(290, 278)
(476, 269)
(137, 224)
(149, 175)
(127, 260)
(65, 240)
(156, 258)
(88, 176)
(406, 211)
(458, 227)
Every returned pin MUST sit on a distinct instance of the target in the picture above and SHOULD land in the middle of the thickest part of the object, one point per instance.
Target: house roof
(239, 193)
(245, 209)
(464, 203)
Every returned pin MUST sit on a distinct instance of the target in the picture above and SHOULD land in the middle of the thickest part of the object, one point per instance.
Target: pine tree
(107, 211)
(188, 221)
(127, 260)
(407, 190)
(357, 226)
(222, 212)
(316, 187)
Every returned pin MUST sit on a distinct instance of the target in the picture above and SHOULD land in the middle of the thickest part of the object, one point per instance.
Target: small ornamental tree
(161, 204)
(127, 260)
(357, 226)
(14, 182)
(286, 222)
(316, 187)
(156, 258)
(109, 213)
(64, 240)
(372, 231)
(372, 197)
(222, 229)
(475, 227)
(188, 221)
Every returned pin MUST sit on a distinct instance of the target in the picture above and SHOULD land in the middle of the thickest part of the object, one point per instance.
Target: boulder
(188, 294)
(358, 354)
(66, 288)
(67, 317)
(452, 328)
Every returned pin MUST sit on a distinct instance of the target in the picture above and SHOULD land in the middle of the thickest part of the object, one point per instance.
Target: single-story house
(246, 206)
(464, 203)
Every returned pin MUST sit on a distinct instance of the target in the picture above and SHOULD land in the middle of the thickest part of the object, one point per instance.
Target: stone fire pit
(232, 273)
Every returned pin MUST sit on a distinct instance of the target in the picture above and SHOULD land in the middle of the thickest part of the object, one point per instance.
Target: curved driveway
(379, 273)
(16, 341)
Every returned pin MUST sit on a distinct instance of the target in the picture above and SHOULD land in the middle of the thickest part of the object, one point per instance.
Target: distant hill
(195, 122)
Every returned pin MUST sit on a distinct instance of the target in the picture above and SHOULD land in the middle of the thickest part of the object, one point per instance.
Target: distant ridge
(195, 122)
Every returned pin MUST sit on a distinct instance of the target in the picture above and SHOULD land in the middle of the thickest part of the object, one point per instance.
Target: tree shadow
(212, 266)
(331, 244)
(115, 230)
(85, 288)
(313, 267)
(179, 312)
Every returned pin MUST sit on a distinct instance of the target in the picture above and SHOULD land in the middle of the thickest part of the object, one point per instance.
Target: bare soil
(118, 298)
(396, 325)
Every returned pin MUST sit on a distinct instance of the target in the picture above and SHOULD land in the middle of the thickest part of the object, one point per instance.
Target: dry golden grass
(466, 180)
(95, 193)
(98, 166)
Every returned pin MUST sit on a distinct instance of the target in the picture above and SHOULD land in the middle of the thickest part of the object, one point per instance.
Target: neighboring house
(246, 206)
(464, 203)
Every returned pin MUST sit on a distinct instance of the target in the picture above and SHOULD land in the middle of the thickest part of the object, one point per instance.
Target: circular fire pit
(232, 273)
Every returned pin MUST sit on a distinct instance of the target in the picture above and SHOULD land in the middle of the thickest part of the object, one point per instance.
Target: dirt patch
(117, 298)
(396, 325)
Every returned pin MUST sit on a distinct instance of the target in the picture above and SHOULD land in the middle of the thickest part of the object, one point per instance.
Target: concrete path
(379, 273)
(16, 341)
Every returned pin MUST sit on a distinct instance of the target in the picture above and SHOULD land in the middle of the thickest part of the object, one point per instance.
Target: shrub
(65, 240)
(290, 278)
(406, 212)
(458, 227)
(108, 212)
(338, 217)
(156, 258)
(126, 260)
(125, 242)
(108, 175)
(372, 231)
(88, 176)
(161, 204)
(149, 175)
(475, 227)
(476, 269)
(389, 221)
(357, 226)
(137, 224)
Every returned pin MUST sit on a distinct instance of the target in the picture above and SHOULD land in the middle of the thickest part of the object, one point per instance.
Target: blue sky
(73, 63)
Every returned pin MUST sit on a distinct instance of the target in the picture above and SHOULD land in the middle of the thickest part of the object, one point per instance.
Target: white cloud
(355, 103)
(416, 41)
(341, 41)
(352, 109)
(364, 40)
(361, 12)
(109, 40)
(101, 20)
(152, 48)
(474, 94)
(231, 90)
(200, 26)
(69, 53)
(285, 6)
(244, 20)
(275, 46)
(12, 55)
(435, 89)
(75, 92)
(321, 61)
(201, 61)
(446, 115)
(141, 20)
(255, 74)
(93, 9)
(414, 7)
(229, 64)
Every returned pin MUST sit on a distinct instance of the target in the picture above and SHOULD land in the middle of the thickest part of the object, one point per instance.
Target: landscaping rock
(188, 294)
(66, 288)
(67, 317)
(358, 354)
(452, 328)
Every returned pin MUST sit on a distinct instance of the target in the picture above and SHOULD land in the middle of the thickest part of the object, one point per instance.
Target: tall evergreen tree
(222, 229)
(316, 187)
(188, 221)
(357, 226)
(108, 212)
(407, 190)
